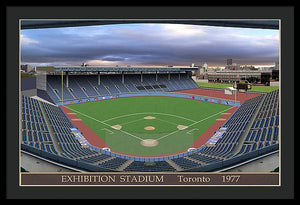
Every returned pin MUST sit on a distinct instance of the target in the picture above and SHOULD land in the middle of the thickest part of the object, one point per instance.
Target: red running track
(241, 97)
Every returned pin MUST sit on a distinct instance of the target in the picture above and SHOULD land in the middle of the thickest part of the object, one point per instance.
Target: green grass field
(167, 112)
(264, 89)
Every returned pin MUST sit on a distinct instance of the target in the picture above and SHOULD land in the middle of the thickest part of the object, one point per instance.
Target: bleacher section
(45, 125)
(60, 125)
(35, 131)
(84, 86)
(186, 163)
(235, 128)
(264, 129)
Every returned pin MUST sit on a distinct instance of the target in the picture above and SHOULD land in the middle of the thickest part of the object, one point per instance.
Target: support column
(169, 77)
(67, 79)
(123, 77)
(99, 78)
(156, 77)
(187, 75)
(179, 76)
(62, 88)
(141, 76)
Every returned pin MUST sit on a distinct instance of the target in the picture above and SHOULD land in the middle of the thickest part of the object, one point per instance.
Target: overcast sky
(149, 44)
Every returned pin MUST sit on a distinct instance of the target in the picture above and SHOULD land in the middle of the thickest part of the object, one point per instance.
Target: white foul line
(131, 121)
(111, 132)
(193, 124)
(148, 113)
(105, 123)
(189, 132)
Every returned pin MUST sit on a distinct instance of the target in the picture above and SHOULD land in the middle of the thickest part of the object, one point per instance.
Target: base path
(96, 141)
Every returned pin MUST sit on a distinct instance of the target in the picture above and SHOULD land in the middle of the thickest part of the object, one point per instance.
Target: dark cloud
(108, 58)
(149, 45)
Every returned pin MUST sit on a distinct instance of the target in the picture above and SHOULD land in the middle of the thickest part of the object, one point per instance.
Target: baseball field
(148, 125)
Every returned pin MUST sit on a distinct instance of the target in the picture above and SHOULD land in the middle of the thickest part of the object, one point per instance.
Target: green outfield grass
(264, 89)
(129, 113)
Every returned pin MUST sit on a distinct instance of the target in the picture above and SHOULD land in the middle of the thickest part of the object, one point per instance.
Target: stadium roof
(262, 24)
(117, 68)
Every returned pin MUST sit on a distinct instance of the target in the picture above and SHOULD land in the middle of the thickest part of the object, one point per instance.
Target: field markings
(167, 121)
(104, 123)
(110, 132)
(131, 121)
(189, 132)
(155, 113)
(194, 123)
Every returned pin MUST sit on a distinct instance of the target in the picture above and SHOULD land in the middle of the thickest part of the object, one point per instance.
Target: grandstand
(103, 81)
(252, 130)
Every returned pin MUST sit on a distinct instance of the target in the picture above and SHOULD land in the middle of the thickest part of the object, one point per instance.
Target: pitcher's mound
(149, 143)
(116, 127)
(182, 127)
(149, 128)
(149, 118)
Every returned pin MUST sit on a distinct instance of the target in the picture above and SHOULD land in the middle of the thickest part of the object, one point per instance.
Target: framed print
(165, 102)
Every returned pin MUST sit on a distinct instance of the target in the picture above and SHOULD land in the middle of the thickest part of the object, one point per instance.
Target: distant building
(265, 68)
(229, 76)
(27, 68)
(201, 73)
(205, 67)
(229, 62)
(234, 66)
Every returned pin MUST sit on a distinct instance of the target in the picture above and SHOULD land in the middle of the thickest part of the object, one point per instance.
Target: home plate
(182, 127)
(149, 118)
(116, 127)
(149, 143)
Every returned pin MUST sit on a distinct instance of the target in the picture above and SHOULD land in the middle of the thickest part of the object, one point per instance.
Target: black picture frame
(10, 77)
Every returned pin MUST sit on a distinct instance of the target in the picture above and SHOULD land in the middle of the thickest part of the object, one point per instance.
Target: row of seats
(264, 130)
(186, 163)
(96, 158)
(66, 141)
(84, 86)
(161, 166)
(236, 126)
(35, 131)
(42, 146)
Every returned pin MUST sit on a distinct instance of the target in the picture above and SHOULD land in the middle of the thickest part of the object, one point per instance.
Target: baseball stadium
(144, 119)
